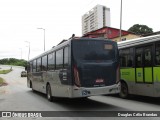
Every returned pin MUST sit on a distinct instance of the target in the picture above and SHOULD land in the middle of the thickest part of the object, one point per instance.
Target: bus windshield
(93, 50)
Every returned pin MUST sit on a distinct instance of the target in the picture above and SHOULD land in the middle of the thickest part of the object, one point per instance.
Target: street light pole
(120, 31)
(29, 49)
(44, 36)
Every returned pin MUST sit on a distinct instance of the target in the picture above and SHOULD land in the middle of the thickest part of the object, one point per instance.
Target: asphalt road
(17, 97)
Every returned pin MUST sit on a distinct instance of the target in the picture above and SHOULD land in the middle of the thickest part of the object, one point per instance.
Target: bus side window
(30, 67)
(44, 63)
(59, 59)
(38, 64)
(130, 63)
(157, 54)
(126, 60)
(148, 56)
(26, 67)
(66, 57)
(34, 65)
(51, 61)
(139, 53)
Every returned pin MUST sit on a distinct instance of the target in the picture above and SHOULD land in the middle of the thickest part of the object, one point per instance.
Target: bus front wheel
(49, 93)
(124, 90)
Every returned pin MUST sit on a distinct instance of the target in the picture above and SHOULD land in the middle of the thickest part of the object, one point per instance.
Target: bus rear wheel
(124, 90)
(49, 93)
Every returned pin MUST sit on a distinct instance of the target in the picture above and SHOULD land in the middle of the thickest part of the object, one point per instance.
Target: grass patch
(2, 82)
(5, 71)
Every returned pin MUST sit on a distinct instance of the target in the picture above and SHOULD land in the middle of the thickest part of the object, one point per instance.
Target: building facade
(95, 19)
(128, 36)
(111, 33)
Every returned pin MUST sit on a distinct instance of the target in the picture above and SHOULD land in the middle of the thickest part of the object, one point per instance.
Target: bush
(13, 61)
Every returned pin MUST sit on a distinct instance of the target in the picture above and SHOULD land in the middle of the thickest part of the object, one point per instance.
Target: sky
(19, 20)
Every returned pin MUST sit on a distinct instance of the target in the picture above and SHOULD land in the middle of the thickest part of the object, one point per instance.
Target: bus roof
(138, 41)
(52, 49)
(64, 44)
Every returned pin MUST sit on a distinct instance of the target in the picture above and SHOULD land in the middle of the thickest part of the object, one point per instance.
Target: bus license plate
(99, 80)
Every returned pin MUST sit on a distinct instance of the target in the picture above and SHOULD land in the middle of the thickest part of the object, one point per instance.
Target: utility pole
(29, 49)
(44, 36)
(120, 31)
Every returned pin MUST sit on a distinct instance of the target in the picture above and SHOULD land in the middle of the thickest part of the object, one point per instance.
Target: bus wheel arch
(124, 89)
(49, 92)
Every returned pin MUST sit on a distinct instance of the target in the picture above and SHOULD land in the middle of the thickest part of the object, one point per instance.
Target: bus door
(144, 70)
(148, 62)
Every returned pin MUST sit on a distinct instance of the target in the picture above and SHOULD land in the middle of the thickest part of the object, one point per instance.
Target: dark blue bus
(76, 68)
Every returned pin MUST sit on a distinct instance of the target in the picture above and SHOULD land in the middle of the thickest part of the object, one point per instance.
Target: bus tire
(49, 93)
(124, 90)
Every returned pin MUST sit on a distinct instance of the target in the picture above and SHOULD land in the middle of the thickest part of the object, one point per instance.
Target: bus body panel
(148, 76)
(141, 89)
(59, 89)
(139, 75)
(144, 89)
(151, 90)
(128, 74)
(37, 81)
(156, 79)
(156, 74)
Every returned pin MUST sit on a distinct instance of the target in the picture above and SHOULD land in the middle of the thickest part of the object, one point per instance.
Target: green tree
(13, 61)
(140, 29)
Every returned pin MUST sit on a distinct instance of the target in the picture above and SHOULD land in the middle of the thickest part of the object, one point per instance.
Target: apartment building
(95, 19)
